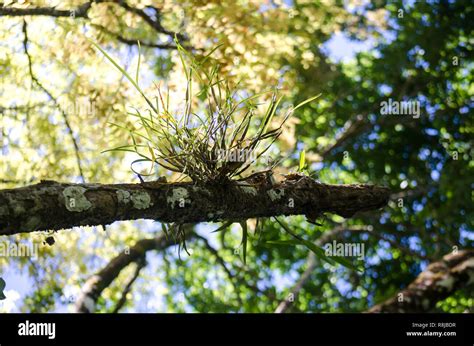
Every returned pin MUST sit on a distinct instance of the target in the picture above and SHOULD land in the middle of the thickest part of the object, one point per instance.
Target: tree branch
(132, 42)
(83, 12)
(55, 101)
(154, 23)
(51, 205)
(335, 233)
(360, 124)
(222, 263)
(79, 12)
(128, 287)
(97, 283)
(352, 128)
(312, 262)
(440, 280)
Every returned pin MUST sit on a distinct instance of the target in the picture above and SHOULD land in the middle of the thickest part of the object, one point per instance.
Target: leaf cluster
(213, 119)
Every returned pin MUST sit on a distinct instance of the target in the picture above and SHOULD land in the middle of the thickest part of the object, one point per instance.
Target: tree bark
(51, 205)
(79, 12)
(440, 280)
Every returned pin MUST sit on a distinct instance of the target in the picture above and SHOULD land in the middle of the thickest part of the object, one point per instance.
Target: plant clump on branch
(216, 137)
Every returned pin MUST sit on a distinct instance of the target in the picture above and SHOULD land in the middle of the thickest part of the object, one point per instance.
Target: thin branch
(360, 124)
(326, 237)
(155, 24)
(4, 109)
(337, 232)
(352, 128)
(133, 42)
(222, 263)
(404, 249)
(63, 113)
(139, 266)
(311, 264)
(83, 12)
(79, 12)
(96, 284)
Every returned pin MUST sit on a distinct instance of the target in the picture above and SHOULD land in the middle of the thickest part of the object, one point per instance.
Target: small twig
(55, 101)
(140, 264)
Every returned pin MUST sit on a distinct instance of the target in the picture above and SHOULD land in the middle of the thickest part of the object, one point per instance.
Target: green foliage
(192, 142)
(302, 165)
(318, 251)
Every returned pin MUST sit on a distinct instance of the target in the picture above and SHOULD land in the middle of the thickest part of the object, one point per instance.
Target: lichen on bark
(75, 200)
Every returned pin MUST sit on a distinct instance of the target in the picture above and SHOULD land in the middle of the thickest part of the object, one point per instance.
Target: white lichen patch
(448, 283)
(141, 200)
(75, 199)
(123, 196)
(250, 190)
(276, 194)
(179, 195)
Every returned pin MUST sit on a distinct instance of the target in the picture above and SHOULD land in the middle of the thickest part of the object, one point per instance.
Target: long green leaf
(306, 101)
(138, 64)
(243, 224)
(302, 160)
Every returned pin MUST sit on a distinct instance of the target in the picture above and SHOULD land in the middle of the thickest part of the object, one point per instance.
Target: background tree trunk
(437, 282)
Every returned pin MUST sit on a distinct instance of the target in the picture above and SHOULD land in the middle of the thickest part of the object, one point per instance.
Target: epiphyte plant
(213, 119)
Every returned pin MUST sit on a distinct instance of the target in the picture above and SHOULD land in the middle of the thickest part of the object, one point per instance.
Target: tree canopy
(64, 105)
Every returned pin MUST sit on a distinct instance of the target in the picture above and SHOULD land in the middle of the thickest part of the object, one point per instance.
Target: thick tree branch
(51, 205)
(96, 284)
(336, 233)
(440, 280)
